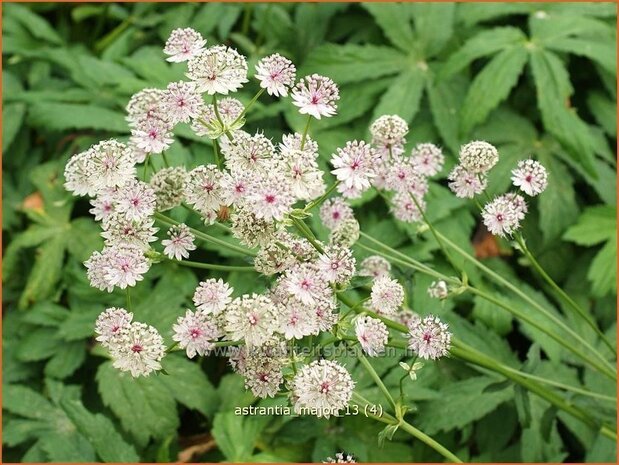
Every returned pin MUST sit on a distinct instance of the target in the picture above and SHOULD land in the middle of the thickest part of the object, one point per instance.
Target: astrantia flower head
(270, 198)
(274, 258)
(402, 177)
(110, 323)
(337, 264)
(136, 200)
(138, 349)
(253, 153)
(340, 457)
(519, 204)
(181, 102)
(251, 230)
(183, 44)
(372, 334)
(466, 184)
(180, 242)
(212, 296)
(112, 164)
(375, 266)
(387, 296)
(502, 216)
(346, 233)
(152, 135)
(335, 210)
(103, 205)
(307, 284)
(253, 319)
(195, 332)
(78, 174)
(169, 187)
(316, 95)
(261, 366)
(438, 290)
(218, 70)
(203, 188)
(125, 265)
(290, 146)
(276, 74)
(429, 338)
(302, 173)
(530, 176)
(322, 388)
(389, 129)
(427, 159)
(145, 105)
(404, 208)
(207, 123)
(354, 165)
(118, 230)
(296, 320)
(478, 156)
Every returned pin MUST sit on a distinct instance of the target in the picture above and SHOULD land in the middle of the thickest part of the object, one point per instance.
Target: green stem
(216, 153)
(304, 137)
(306, 232)
(221, 121)
(206, 237)
(609, 370)
(322, 198)
(379, 382)
(146, 160)
(249, 105)
(211, 266)
(165, 159)
(423, 437)
(129, 308)
(571, 303)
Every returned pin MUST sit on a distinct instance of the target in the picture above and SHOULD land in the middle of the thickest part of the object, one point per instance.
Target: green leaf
(68, 358)
(38, 344)
(26, 402)
(445, 98)
(601, 52)
(12, 115)
(549, 27)
(31, 237)
(459, 404)
(145, 406)
(100, 433)
(603, 270)
(473, 13)
(67, 446)
(596, 224)
(403, 97)
(487, 42)
(394, 20)
(426, 16)
(353, 63)
(541, 441)
(37, 26)
(64, 116)
(553, 92)
(85, 238)
(235, 435)
(604, 111)
(491, 86)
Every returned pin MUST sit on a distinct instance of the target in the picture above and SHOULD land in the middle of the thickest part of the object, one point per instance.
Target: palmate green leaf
(68, 358)
(37, 26)
(38, 344)
(353, 63)
(604, 53)
(487, 42)
(99, 431)
(404, 95)
(395, 21)
(66, 116)
(460, 404)
(603, 270)
(445, 98)
(26, 402)
(13, 116)
(67, 446)
(557, 205)
(472, 13)
(548, 27)
(235, 435)
(426, 17)
(31, 237)
(540, 441)
(553, 92)
(604, 111)
(595, 225)
(491, 86)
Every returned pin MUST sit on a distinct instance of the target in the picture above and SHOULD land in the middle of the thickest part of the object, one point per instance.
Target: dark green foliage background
(534, 79)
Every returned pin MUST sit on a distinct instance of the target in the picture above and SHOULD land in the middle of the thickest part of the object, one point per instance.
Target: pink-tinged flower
(429, 338)
(404, 208)
(180, 242)
(183, 44)
(212, 296)
(372, 334)
(145, 105)
(207, 123)
(110, 323)
(296, 320)
(195, 332)
(389, 130)
(103, 205)
(203, 188)
(136, 201)
(466, 184)
(334, 211)
(152, 135)
(323, 388)
(270, 198)
(218, 70)
(316, 95)
(337, 264)
(375, 266)
(531, 177)
(306, 284)
(276, 74)
(427, 159)
(181, 102)
(138, 349)
(387, 295)
(502, 216)
(249, 153)
(253, 319)
(118, 230)
(354, 165)
(125, 266)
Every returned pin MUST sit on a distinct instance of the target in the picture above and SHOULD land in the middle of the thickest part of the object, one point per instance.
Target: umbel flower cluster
(267, 188)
